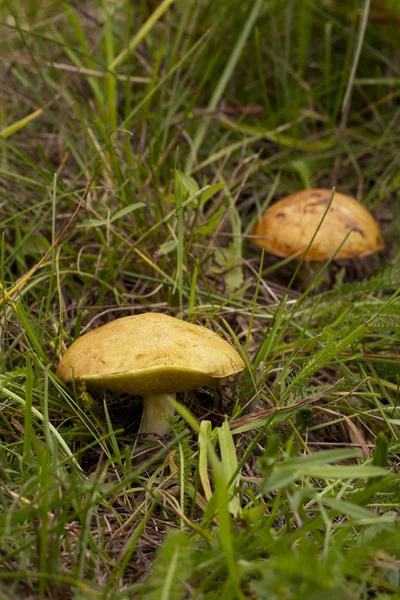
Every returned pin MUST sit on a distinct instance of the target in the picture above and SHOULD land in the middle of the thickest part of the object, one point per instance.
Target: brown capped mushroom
(287, 227)
(151, 355)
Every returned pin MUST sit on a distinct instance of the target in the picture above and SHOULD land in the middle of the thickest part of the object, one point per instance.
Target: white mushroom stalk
(155, 408)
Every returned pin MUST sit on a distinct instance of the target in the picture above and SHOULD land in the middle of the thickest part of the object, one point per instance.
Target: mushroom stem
(309, 273)
(155, 408)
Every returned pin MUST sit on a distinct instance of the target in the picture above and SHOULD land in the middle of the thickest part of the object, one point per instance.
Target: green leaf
(357, 512)
(381, 452)
(342, 472)
(234, 278)
(230, 466)
(18, 125)
(166, 248)
(91, 223)
(205, 437)
(314, 465)
(126, 211)
(227, 259)
(323, 457)
(118, 215)
(212, 223)
(187, 183)
(279, 479)
(210, 191)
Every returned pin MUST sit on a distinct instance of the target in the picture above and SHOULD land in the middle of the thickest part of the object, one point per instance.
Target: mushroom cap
(288, 225)
(150, 353)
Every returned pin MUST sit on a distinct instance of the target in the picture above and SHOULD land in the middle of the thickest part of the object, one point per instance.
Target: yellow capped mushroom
(152, 355)
(287, 227)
